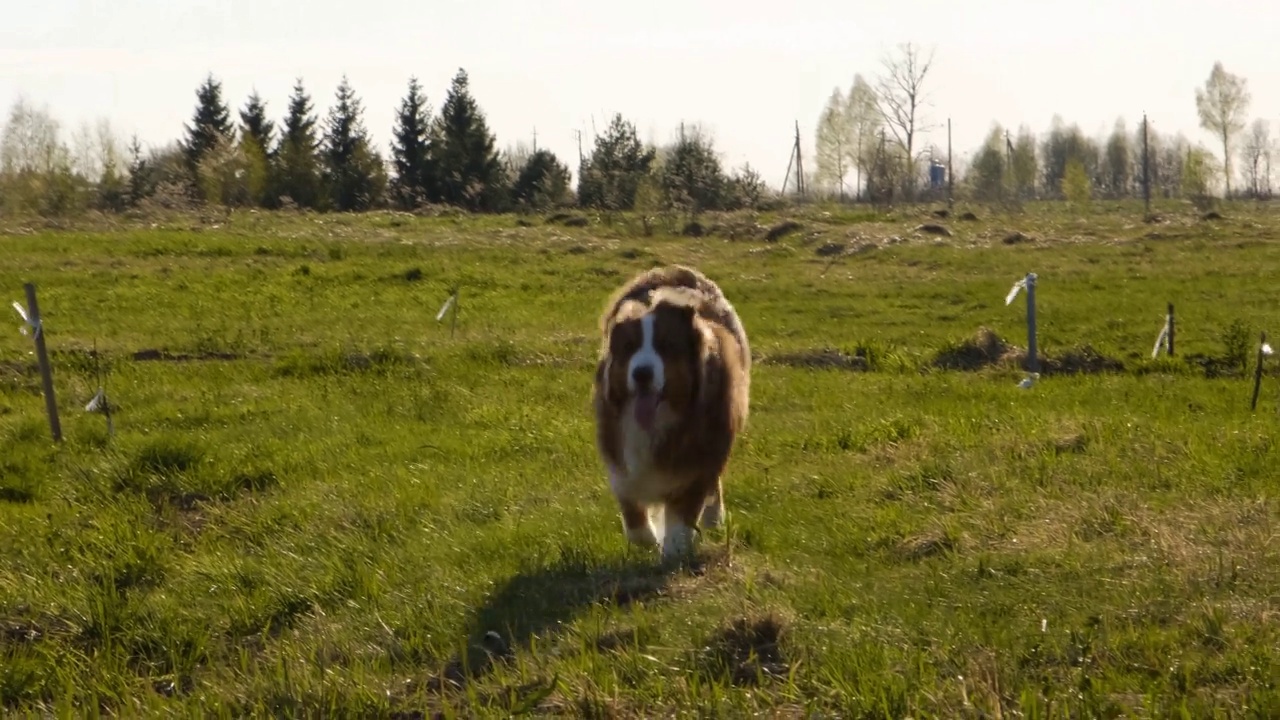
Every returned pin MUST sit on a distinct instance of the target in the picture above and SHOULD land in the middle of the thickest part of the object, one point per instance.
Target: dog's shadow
(540, 598)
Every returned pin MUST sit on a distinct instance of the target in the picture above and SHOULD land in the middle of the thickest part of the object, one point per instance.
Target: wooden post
(42, 355)
(1169, 345)
(1257, 374)
(1033, 358)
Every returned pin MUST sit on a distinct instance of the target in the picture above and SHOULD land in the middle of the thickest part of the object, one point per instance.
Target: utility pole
(799, 164)
(950, 185)
(1008, 160)
(535, 138)
(1146, 167)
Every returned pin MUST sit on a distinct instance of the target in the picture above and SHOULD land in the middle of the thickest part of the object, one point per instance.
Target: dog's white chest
(639, 476)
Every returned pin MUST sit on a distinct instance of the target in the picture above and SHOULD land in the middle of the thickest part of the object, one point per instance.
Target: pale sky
(745, 70)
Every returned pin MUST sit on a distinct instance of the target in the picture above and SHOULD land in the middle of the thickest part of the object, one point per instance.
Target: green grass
(320, 501)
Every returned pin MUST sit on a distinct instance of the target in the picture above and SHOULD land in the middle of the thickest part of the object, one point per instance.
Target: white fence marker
(99, 403)
(456, 304)
(1165, 338)
(1028, 283)
(1264, 349)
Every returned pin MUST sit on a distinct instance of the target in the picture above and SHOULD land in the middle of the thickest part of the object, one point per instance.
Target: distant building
(937, 175)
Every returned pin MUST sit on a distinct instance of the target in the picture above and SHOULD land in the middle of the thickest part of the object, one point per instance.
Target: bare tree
(1222, 105)
(1117, 160)
(1257, 158)
(1024, 164)
(901, 98)
(35, 165)
(514, 158)
(30, 143)
(84, 152)
(110, 146)
(863, 122)
(831, 143)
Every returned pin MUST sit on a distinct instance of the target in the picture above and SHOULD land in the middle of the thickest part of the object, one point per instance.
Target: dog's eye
(622, 341)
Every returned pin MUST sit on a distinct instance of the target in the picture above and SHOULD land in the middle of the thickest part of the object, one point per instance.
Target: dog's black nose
(643, 375)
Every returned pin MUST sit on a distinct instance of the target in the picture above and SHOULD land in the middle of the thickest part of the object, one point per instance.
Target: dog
(671, 396)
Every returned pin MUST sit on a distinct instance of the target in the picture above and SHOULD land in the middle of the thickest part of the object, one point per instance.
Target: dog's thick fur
(671, 395)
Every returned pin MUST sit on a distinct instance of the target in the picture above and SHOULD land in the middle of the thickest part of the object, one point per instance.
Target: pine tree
(140, 180)
(470, 170)
(610, 177)
(353, 172)
(297, 158)
(415, 179)
(692, 177)
(254, 124)
(210, 124)
(257, 146)
(543, 182)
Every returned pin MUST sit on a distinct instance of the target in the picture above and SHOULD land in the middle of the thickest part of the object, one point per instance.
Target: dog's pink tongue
(646, 410)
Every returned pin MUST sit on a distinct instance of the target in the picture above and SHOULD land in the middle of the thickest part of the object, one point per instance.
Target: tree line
(868, 144)
(444, 158)
(867, 147)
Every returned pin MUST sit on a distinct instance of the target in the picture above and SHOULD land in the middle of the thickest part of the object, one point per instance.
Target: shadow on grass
(540, 599)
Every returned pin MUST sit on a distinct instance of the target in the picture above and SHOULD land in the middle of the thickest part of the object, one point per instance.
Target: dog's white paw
(677, 541)
(713, 513)
(642, 536)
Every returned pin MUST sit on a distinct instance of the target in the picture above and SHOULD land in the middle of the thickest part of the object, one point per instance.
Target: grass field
(319, 501)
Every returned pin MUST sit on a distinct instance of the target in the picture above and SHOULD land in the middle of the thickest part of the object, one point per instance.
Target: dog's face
(654, 360)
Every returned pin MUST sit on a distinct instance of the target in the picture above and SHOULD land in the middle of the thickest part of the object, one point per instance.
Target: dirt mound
(693, 229)
(781, 230)
(825, 358)
(1081, 360)
(934, 229)
(748, 650)
(166, 356)
(567, 220)
(984, 349)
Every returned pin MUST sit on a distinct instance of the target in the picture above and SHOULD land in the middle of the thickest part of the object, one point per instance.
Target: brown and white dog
(671, 395)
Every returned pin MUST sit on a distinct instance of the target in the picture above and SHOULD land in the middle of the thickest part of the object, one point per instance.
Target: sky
(746, 71)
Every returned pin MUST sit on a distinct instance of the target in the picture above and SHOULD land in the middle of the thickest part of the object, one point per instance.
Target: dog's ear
(720, 362)
(611, 393)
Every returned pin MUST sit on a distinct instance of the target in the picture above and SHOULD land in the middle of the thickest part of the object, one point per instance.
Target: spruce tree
(692, 178)
(255, 124)
(610, 177)
(297, 159)
(470, 170)
(210, 124)
(256, 144)
(543, 182)
(353, 171)
(415, 179)
(141, 183)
